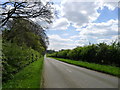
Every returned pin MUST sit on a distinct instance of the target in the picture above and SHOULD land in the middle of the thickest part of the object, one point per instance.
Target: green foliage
(63, 53)
(21, 34)
(50, 51)
(96, 53)
(75, 53)
(52, 55)
(29, 77)
(15, 58)
(23, 43)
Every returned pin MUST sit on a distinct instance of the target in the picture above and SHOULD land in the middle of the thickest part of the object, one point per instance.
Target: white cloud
(103, 40)
(60, 24)
(82, 42)
(108, 28)
(109, 40)
(73, 37)
(93, 33)
(57, 42)
(9, 7)
(59, 46)
(80, 13)
(99, 32)
(111, 5)
(58, 38)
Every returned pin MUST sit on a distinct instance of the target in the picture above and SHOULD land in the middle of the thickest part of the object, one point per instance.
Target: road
(58, 74)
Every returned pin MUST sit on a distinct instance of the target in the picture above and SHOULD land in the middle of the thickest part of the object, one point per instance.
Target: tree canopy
(26, 10)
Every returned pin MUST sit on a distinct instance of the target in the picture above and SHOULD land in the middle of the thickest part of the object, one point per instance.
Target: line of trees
(96, 53)
(23, 41)
(21, 45)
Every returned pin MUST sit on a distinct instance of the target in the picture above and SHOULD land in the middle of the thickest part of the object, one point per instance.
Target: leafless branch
(27, 10)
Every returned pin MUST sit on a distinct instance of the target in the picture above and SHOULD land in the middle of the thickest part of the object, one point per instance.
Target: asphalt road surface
(58, 74)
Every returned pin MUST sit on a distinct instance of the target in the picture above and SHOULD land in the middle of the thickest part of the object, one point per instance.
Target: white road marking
(68, 70)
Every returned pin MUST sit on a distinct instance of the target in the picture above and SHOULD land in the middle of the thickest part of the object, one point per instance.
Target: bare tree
(26, 10)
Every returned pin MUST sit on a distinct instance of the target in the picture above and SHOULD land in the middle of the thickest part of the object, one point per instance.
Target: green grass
(102, 68)
(29, 77)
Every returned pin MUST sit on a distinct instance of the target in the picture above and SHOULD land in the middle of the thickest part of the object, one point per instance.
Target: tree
(25, 32)
(95, 53)
(50, 51)
(26, 10)
(21, 46)
(63, 53)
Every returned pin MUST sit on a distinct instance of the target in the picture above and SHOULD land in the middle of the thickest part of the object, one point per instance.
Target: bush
(15, 58)
(96, 53)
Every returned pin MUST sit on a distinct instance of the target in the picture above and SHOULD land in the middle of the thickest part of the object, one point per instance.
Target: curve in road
(58, 74)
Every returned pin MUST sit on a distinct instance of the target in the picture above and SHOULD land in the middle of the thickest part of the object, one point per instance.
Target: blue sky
(78, 26)
(107, 14)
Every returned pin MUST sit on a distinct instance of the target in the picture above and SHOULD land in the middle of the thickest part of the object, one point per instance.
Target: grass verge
(97, 67)
(29, 77)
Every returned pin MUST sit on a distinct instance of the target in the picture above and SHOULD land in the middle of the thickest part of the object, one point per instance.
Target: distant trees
(63, 53)
(96, 53)
(50, 51)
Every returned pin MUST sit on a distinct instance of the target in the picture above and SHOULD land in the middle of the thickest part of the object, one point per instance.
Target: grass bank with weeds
(29, 77)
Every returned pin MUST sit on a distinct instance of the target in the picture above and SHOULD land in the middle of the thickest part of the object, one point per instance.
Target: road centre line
(68, 70)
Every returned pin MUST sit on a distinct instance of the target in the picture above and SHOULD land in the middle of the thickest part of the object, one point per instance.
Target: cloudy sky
(80, 23)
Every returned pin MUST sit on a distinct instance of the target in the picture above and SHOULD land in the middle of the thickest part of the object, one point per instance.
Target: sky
(80, 23)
